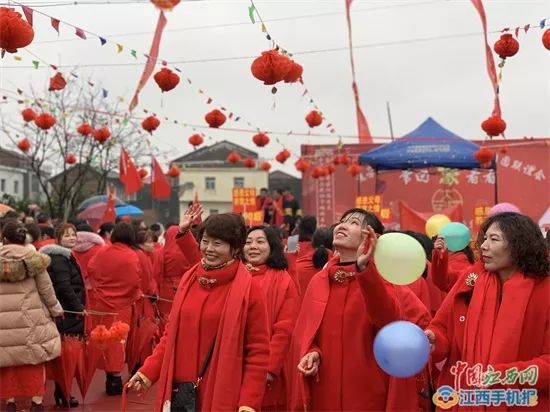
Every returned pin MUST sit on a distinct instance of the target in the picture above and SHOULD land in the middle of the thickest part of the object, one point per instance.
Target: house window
(3, 185)
(210, 183)
(16, 187)
(213, 211)
(238, 182)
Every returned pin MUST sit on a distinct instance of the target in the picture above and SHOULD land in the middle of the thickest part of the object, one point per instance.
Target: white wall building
(16, 177)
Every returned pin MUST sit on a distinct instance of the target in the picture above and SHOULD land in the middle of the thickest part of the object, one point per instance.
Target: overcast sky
(425, 57)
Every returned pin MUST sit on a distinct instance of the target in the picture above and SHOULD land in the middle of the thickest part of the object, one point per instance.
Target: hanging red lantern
(282, 156)
(504, 149)
(174, 171)
(294, 74)
(271, 67)
(142, 172)
(506, 46)
(24, 144)
(85, 129)
(165, 5)
(354, 169)
(15, 33)
(28, 114)
(546, 39)
(301, 165)
(344, 159)
(57, 82)
(249, 162)
(44, 121)
(265, 166)
(330, 168)
(260, 139)
(493, 126)
(102, 135)
(150, 124)
(195, 140)
(70, 159)
(317, 172)
(233, 157)
(166, 79)
(484, 156)
(314, 118)
(215, 118)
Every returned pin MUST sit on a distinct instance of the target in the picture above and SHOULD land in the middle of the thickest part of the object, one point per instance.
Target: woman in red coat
(267, 264)
(342, 310)
(447, 267)
(219, 319)
(115, 277)
(497, 316)
(311, 262)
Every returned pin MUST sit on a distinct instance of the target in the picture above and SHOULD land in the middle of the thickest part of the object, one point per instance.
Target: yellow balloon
(435, 223)
(399, 258)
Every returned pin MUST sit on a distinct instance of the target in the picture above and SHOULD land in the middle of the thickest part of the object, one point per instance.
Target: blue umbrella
(128, 210)
(98, 199)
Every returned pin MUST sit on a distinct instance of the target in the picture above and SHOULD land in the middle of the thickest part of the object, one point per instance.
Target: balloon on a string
(503, 207)
(401, 349)
(435, 223)
(399, 258)
(456, 235)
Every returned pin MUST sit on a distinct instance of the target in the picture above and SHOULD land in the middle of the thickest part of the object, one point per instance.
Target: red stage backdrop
(522, 178)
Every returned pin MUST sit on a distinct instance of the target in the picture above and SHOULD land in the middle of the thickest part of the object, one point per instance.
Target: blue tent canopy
(429, 145)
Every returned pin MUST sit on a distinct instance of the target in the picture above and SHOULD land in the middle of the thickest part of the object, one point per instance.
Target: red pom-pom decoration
(28, 115)
(24, 144)
(85, 129)
(119, 331)
(15, 32)
(100, 335)
(142, 172)
(546, 39)
(70, 159)
(282, 156)
(102, 135)
(150, 124)
(301, 165)
(249, 162)
(165, 5)
(45, 121)
(265, 166)
(57, 82)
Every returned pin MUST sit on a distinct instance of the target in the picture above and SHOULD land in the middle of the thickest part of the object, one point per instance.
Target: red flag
(55, 24)
(160, 187)
(28, 13)
(128, 174)
(151, 59)
(109, 215)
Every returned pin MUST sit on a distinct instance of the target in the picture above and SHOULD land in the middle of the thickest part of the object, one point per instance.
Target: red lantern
(24, 144)
(301, 165)
(85, 129)
(102, 135)
(195, 140)
(271, 67)
(150, 124)
(493, 126)
(330, 169)
(28, 115)
(57, 82)
(165, 4)
(70, 159)
(174, 171)
(546, 39)
(506, 46)
(282, 156)
(233, 157)
(484, 155)
(354, 169)
(215, 118)
(142, 172)
(503, 149)
(260, 139)
(15, 32)
(317, 172)
(265, 166)
(314, 118)
(294, 74)
(166, 79)
(44, 121)
(249, 162)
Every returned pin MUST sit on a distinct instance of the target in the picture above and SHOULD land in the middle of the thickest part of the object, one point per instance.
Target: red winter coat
(447, 268)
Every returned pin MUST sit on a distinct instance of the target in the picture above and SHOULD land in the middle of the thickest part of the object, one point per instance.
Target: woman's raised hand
(189, 216)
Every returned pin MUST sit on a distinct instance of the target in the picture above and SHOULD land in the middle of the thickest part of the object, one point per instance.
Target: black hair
(322, 243)
(306, 228)
(14, 232)
(34, 230)
(155, 227)
(276, 259)
(124, 233)
(369, 219)
(43, 217)
(106, 228)
(84, 227)
(229, 227)
(47, 231)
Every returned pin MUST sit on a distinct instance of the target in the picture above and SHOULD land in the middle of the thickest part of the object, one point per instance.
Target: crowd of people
(244, 322)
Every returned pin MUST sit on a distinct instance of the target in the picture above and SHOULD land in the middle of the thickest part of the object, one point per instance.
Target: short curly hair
(229, 227)
(527, 245)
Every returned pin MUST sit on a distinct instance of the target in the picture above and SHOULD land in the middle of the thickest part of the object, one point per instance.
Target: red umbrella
(93, 212)
(64, 368)
(143, 334)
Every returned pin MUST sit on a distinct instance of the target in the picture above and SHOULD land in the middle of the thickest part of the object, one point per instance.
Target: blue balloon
(456, 235)
(401, 349)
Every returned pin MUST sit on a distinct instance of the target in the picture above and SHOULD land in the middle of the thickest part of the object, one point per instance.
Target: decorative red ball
(265, 166)
(233, 157)
(102, 135)
(45, 121)
(24, 144)
(28, 115)
(301, 165)
(249, 162)
(142, 172)
(15, 33)
(70, 159)
(85, 129)
(195, 140)
(484, 155)
(354, 169)
(506, 46)
(294, 74)
(546, 39)
(174, 171)
(260, 139)
(271, 67)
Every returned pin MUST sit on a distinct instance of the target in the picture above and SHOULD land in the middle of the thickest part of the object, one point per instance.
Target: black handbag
(184, 394)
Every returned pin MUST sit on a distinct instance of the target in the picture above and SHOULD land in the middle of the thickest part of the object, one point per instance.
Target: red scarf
(223, 386)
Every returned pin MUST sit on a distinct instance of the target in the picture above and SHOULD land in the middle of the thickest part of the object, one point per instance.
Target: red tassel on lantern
(57, 82)
(215, 118)
(265, 166)
(28, 115)
(233, 157)
(294, 74)
(354, 169)
(174, 171)
(506, 46)
(301, 165)
(102, 135)
(85, 129)
(24, 144)
(44, 121)
(546, 39)
(260, 139)
(195, 140)
(493, 126)
(249, 162)
(165, 5)
(70, 159)
(484, 156)
(150, 124)
(314, 118)
(166, 79)
(271, 67)
(15, 33)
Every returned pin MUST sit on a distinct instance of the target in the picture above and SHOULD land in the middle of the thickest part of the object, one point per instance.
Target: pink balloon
(503, 207)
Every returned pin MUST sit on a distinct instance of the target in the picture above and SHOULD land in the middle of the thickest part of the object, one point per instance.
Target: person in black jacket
(69, 288)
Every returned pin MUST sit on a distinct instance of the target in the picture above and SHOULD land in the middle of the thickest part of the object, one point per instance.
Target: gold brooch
(340, 276)
(206, 282)
(471, 279)
(251, 268)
